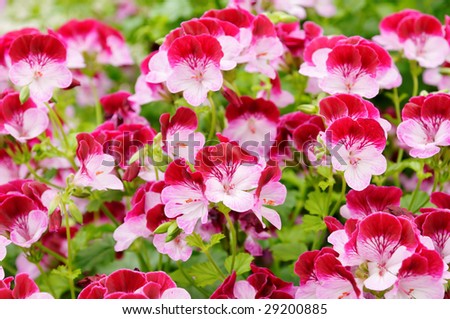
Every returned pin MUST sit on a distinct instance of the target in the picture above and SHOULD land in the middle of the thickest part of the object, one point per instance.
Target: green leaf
(315, 204)
(195, 240)
(421, 197)
(99, 252)
(288, 251)
(313, 223)
(63, 271)
(204, 274)
(215, 239)
(24, 94)
(241, 264)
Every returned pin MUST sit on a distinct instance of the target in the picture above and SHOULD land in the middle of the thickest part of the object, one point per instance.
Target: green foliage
(241, 265)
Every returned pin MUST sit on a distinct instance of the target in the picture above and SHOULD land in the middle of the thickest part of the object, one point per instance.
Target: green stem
(212, 129)
(396, 101)
(213, 263)
(341, 196)
(69, 250)
(190, 280)
(55, 121)
(40, 179)
(233, 239)
(98, 107)
(52, 253)
(415, 72)
(110, 215)
(45, 276)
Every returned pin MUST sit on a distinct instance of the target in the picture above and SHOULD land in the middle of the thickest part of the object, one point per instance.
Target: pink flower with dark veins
(195, 63)
(39, 62)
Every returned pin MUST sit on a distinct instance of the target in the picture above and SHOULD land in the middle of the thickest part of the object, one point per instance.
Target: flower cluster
(381, 250)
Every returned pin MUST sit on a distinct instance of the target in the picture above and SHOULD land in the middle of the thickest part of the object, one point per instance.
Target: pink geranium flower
(426, 124)
(420, 277)
(349, 65)
(436, 225)
(23, 219)
(3, 243)
(389, 38)
(323, 276)
(93, 37)
(352, 106)
(39, 62)
(270, 192)
(129, 284)
(179, 136)
(423, 40)
(357, 148)
(230, 174)
(96, 167)
(176, 249)
(146, 202)
(195, 63)
(184, 196)
(22, 121)
(372, 199)
(24, 288)
(252, 123)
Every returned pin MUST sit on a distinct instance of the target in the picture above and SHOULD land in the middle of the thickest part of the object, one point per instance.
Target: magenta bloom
(349, 65)
(420, 277)
(24, 288)
(426, 124)
(347, 105)
(22, 121)
(419, 35)
(146, 202)
(96, 169)
(270, 192)
(179, 136)
(230, 174)
(39, 61)
(184, 196)
(252, 123)
(195, 63)
(372, 199)
(129, 284)
(323, 276)
(436, 225)
(356, 148)
(23, 219)
(95, 38)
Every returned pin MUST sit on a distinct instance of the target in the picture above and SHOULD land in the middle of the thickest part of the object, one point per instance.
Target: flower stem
(233, 239)
(45, 276)
(190, 280)
(341, 196)
(396, 101)
(98, 107)
(212, 129)
(54, 118)
(415, 72)
(69, 251)
(213, 263)
(110, 215)
(52, 253)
